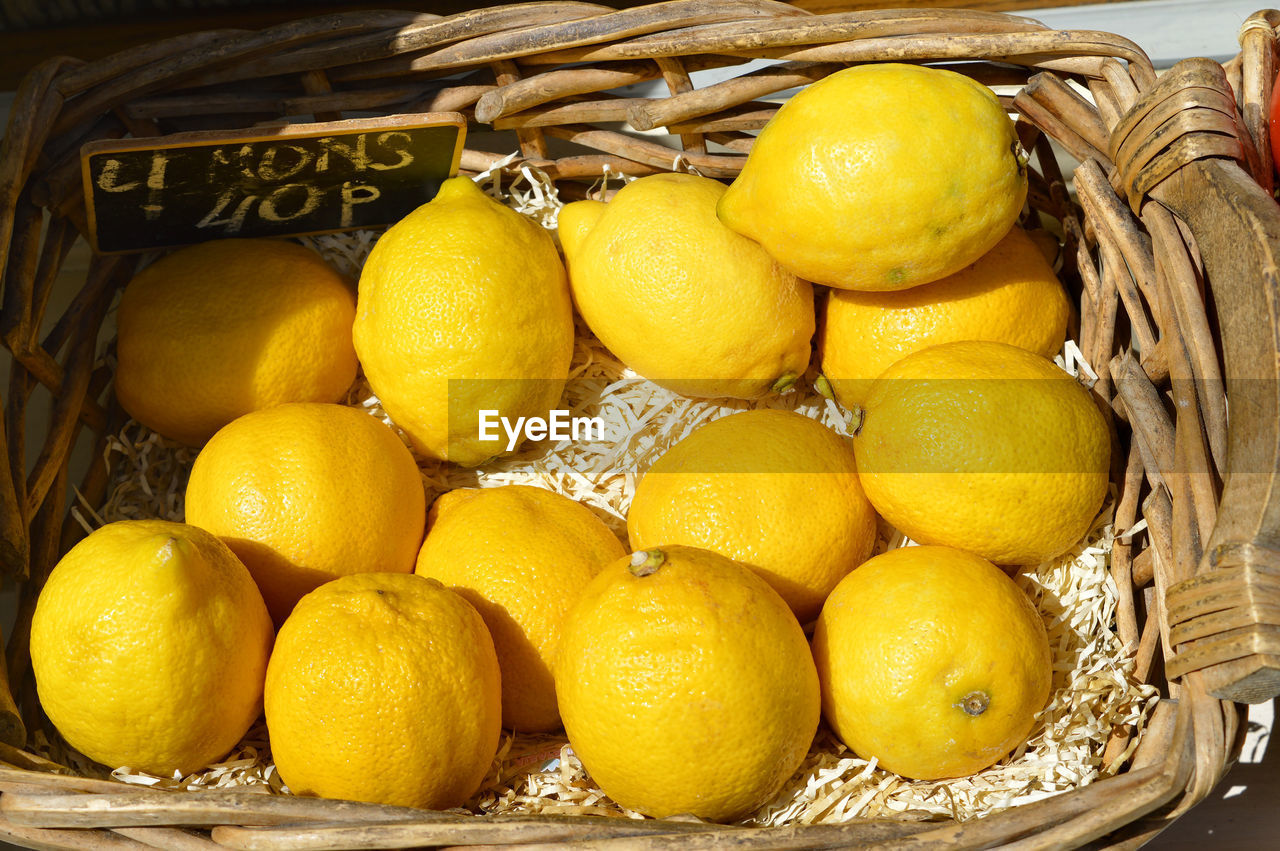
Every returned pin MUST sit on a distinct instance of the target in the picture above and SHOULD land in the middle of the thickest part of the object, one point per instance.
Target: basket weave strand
(1162, 243)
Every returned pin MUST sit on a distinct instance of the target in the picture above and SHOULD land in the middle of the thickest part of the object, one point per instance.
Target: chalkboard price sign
(284, 180)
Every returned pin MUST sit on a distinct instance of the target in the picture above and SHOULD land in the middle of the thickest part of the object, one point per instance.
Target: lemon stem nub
(975, 703)
(859, 419)
(169, 549)
(785, 382)
(823, 385)
(1021, 154)
(645, 562)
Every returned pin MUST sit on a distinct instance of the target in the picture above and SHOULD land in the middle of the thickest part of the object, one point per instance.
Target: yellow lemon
(881, 177)
(774, 490)
(686, 685)
(932, 661)
(307, 492)
(1010, 294)
(217, 330)
(985, 447)
(384, 687)
(149, 644)
(521, 555)
(463, 307)
(680, 298)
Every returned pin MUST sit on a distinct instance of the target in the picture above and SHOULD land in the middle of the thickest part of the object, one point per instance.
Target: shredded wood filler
(1094, 688)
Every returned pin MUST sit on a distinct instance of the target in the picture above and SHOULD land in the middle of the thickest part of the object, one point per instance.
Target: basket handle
(1225, 620)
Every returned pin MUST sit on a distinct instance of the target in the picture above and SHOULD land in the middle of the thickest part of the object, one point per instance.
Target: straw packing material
(1094, 693)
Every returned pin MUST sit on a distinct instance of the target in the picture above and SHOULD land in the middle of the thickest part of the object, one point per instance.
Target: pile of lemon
(389, 642)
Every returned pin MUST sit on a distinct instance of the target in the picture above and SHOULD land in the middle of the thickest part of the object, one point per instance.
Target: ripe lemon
(774, 490)
(985, 447)
(521, 555)
(881, 177)
(680, 298)
(384, 687)
(306, 492)
(1010, 294)
(932, 661)
(149, 644)
(217, 330)
(464, 306)
(686, 685)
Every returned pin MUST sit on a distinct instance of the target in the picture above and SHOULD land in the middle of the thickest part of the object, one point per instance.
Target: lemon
(217, 330)
(932, 661)
(149, 644)
(680, 298)
(1010, 294)
(881, 177)
(686, 685)
(384, 687)
(463, 307)
(521, 555)
(306, 492)
(985, 447)
(774, 490)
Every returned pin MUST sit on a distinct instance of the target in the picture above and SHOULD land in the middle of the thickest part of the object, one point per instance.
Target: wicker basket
(1166, 208)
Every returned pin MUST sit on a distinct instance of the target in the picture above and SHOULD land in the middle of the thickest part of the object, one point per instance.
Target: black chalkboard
(283, 180)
